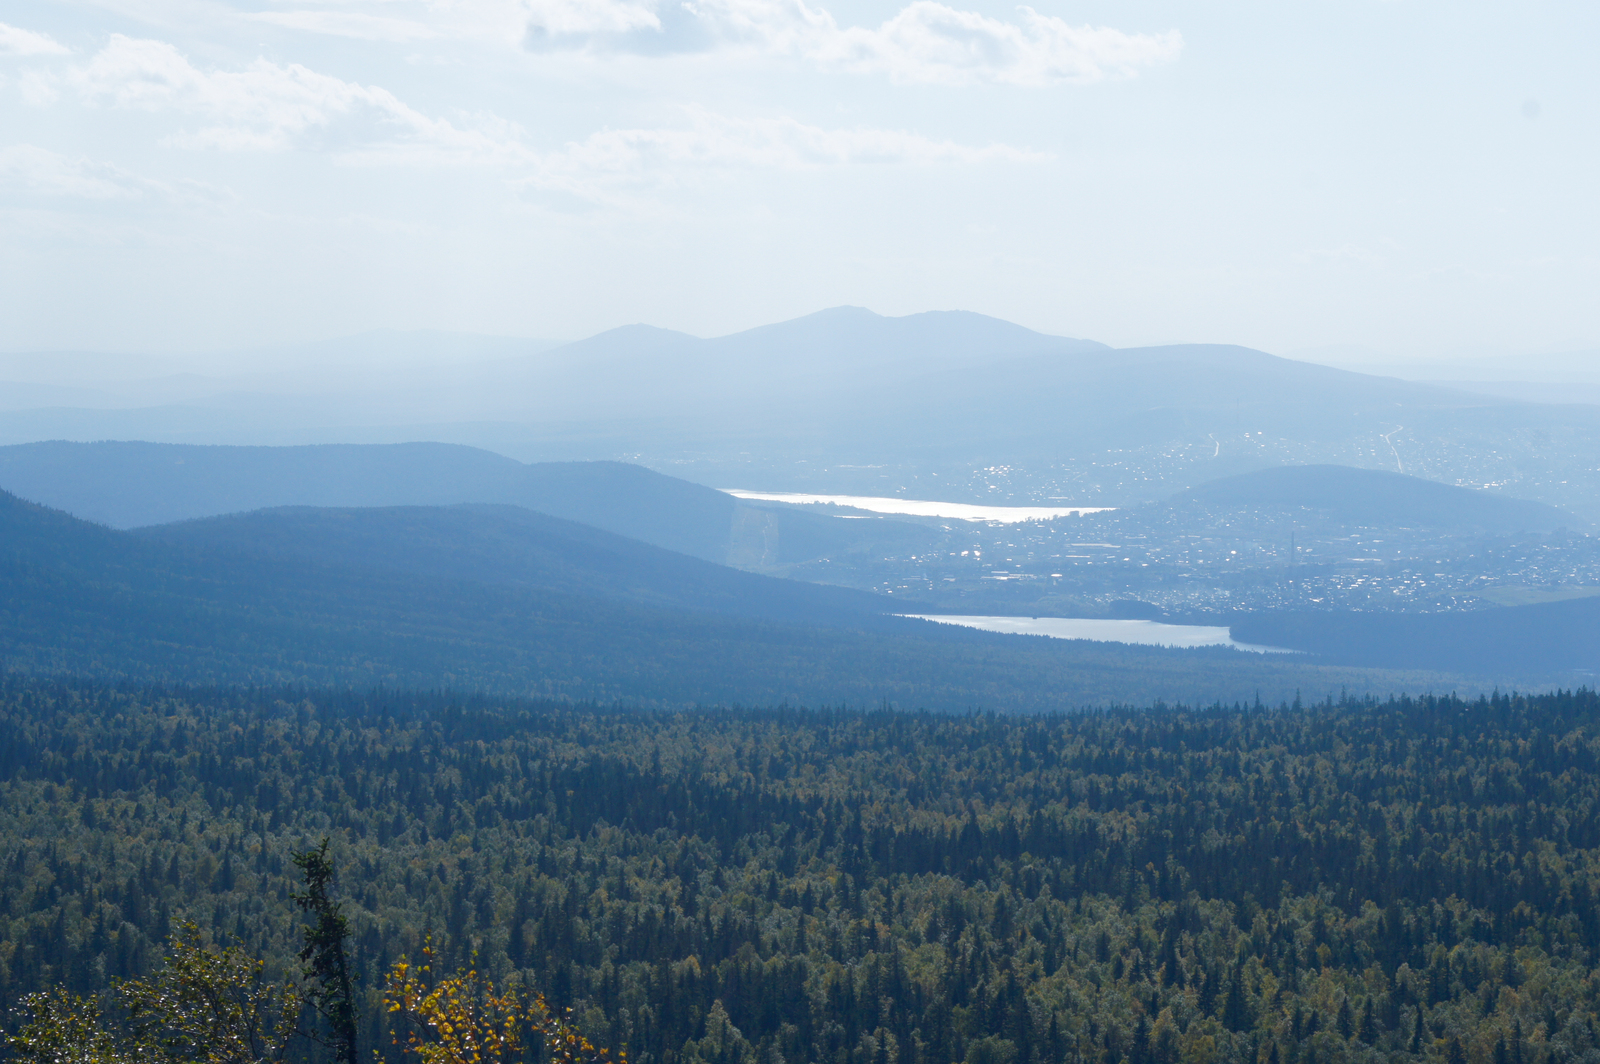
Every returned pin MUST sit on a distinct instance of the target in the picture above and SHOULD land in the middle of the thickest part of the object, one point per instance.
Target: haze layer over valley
(946, 407)
(950, 406)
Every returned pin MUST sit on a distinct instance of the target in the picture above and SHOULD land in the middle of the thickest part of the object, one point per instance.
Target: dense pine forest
(1363, 881)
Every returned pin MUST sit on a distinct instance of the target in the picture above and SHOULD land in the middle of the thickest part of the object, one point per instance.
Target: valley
(1106, 746)
(1358, 540)
(1090, 566)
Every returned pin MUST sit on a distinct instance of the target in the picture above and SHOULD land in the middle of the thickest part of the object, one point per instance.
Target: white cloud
(930, 42)
(588, 18)
(271, 107)
(495, 21)
(16, 41)
(498, 21)
(29, 171)
(633, 169)
(616, 166)
(612, 161)
(265, 106)
(350, 24)
(27, 168)
(925, 42)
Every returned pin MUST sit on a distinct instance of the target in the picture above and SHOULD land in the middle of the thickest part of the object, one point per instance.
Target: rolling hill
(337, 599)
(1353, 497)
(510, 547)
(127, 485)
(1558, 641)
(1133, 395)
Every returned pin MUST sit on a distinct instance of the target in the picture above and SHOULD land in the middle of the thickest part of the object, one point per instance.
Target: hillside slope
(1377, 498)
(1135, 396)
(510, 547)
(84, 600)
(131, 484)
(1558, 640)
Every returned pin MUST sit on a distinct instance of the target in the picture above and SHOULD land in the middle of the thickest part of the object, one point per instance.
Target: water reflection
(961, 511)
(1148, 633)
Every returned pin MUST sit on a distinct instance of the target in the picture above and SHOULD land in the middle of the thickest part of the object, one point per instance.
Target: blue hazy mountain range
(925, 380)
(945, 375)
(843, 401)
(130, 484)
(1373, 498)
(126, 485)
(636, 373)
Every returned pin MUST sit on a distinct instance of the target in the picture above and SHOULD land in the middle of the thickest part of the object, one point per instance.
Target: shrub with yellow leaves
(465, 1019)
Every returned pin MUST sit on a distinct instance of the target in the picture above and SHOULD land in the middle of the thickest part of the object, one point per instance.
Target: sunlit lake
(960, 511)
(1147, 633)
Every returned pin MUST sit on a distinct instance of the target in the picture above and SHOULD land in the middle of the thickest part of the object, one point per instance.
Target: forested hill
(508, 546)
(1413, 879)
(128, 484)
(1375, 498)
(1547, 638)
(133, 484)
(388, 597)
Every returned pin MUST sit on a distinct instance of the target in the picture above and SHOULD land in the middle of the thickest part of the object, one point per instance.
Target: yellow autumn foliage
(466, 1019)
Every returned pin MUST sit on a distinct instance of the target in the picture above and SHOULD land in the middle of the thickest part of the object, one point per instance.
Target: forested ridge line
(1414, 877)
(417, 606)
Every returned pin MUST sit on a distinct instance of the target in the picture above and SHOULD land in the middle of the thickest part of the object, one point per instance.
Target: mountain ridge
(1378, 497)
(948, 391)
(511, 546)
(1557, 641)
(128, 484)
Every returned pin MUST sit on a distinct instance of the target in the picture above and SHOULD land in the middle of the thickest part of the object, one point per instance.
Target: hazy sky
(1415, 177)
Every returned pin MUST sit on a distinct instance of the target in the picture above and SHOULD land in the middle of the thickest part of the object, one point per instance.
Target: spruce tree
(1236, 1010)
(1368, 1031)
(324, 955)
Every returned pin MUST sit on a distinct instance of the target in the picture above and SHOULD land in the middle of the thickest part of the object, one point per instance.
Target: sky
(1407, 177)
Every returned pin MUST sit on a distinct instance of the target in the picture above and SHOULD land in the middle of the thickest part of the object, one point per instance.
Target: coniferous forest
(1411, 879)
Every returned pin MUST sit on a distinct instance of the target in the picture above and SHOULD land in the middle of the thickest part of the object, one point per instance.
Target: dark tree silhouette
(323, 955)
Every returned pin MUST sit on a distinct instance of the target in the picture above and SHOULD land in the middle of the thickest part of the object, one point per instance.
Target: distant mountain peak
(639, 331)
(933, 337)
(847, 311)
